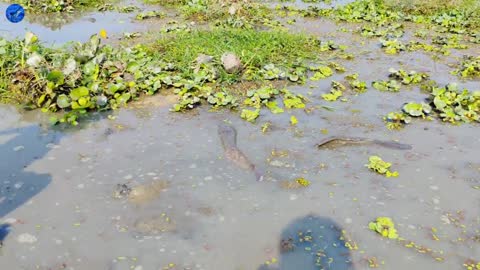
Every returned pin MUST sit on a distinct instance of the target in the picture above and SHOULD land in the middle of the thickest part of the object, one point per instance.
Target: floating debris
(378, 165)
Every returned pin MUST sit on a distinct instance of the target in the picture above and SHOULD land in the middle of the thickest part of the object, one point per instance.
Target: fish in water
(336, 141)
(228, 137)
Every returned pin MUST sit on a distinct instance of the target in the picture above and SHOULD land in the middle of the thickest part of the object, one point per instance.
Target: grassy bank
(41, 6)
(93, 77)
(208, 10)
(254, 48)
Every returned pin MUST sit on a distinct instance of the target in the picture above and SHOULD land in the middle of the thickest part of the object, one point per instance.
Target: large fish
(335, 141)
(228, 137)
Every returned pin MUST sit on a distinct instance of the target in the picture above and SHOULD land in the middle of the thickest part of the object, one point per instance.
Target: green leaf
(63, 101)
(323, 72)
(249, 115)
(272, 105)
(124, 98)
(41, 99)
(416, 109)
(293, 120)
(56, 76)
(79, 92)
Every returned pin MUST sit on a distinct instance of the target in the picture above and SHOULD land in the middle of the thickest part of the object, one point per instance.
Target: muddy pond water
(63, 205)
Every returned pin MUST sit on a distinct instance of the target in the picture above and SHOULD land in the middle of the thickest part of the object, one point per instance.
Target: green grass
(40, 6)
(255, 48)
(208, 10)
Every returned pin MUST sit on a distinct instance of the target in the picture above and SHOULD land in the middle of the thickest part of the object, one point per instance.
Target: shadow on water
(4, 230)
(312, 243)
(17, 186)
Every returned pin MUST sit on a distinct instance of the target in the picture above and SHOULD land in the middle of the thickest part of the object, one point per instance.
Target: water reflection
(17, 186)
(312, 243)
(58, 29)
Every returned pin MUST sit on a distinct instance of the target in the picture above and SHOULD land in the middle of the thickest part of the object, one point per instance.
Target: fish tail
(393, 145)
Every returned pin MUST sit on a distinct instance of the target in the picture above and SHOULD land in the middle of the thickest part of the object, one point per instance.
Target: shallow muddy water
(58, 29)
(58, 186)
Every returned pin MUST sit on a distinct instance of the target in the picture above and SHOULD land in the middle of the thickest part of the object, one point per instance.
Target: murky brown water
(59, 186)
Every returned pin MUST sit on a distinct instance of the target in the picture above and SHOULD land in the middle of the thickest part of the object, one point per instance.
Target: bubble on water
(293, 197)
(26, 238)
(348, 221)
(18, 185)
(434, 188)
(128, 177)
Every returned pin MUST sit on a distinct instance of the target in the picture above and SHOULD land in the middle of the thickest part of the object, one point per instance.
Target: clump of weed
(49, 6)
(255, 49)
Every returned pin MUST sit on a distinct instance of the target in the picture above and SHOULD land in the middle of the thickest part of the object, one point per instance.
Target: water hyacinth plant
(385, 227)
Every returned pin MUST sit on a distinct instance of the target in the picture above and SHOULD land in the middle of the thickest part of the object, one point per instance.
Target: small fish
(228, 137)
(342, 141)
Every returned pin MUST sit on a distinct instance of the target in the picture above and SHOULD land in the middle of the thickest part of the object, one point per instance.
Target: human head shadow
(312, 243)
(4, 230)
(18, 186)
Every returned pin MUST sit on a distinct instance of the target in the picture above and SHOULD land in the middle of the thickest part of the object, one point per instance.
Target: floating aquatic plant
(329, 46)
(407, 78)
(273, 106)
(449, 42)
(386, 86)
(472, 265)
(293, 120)
(376, 164)
(303, 182)
(397, 120)
(221, 99)
(357, 85)
(417, 109)
(150, 14)
(385, 227)
(323, 72)
(266, 126)
(335, 92)
(393, 46)
(250, 115)
(255, 98)
(337, 67)
(454, 105)
(291, 100)
(469, 67)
